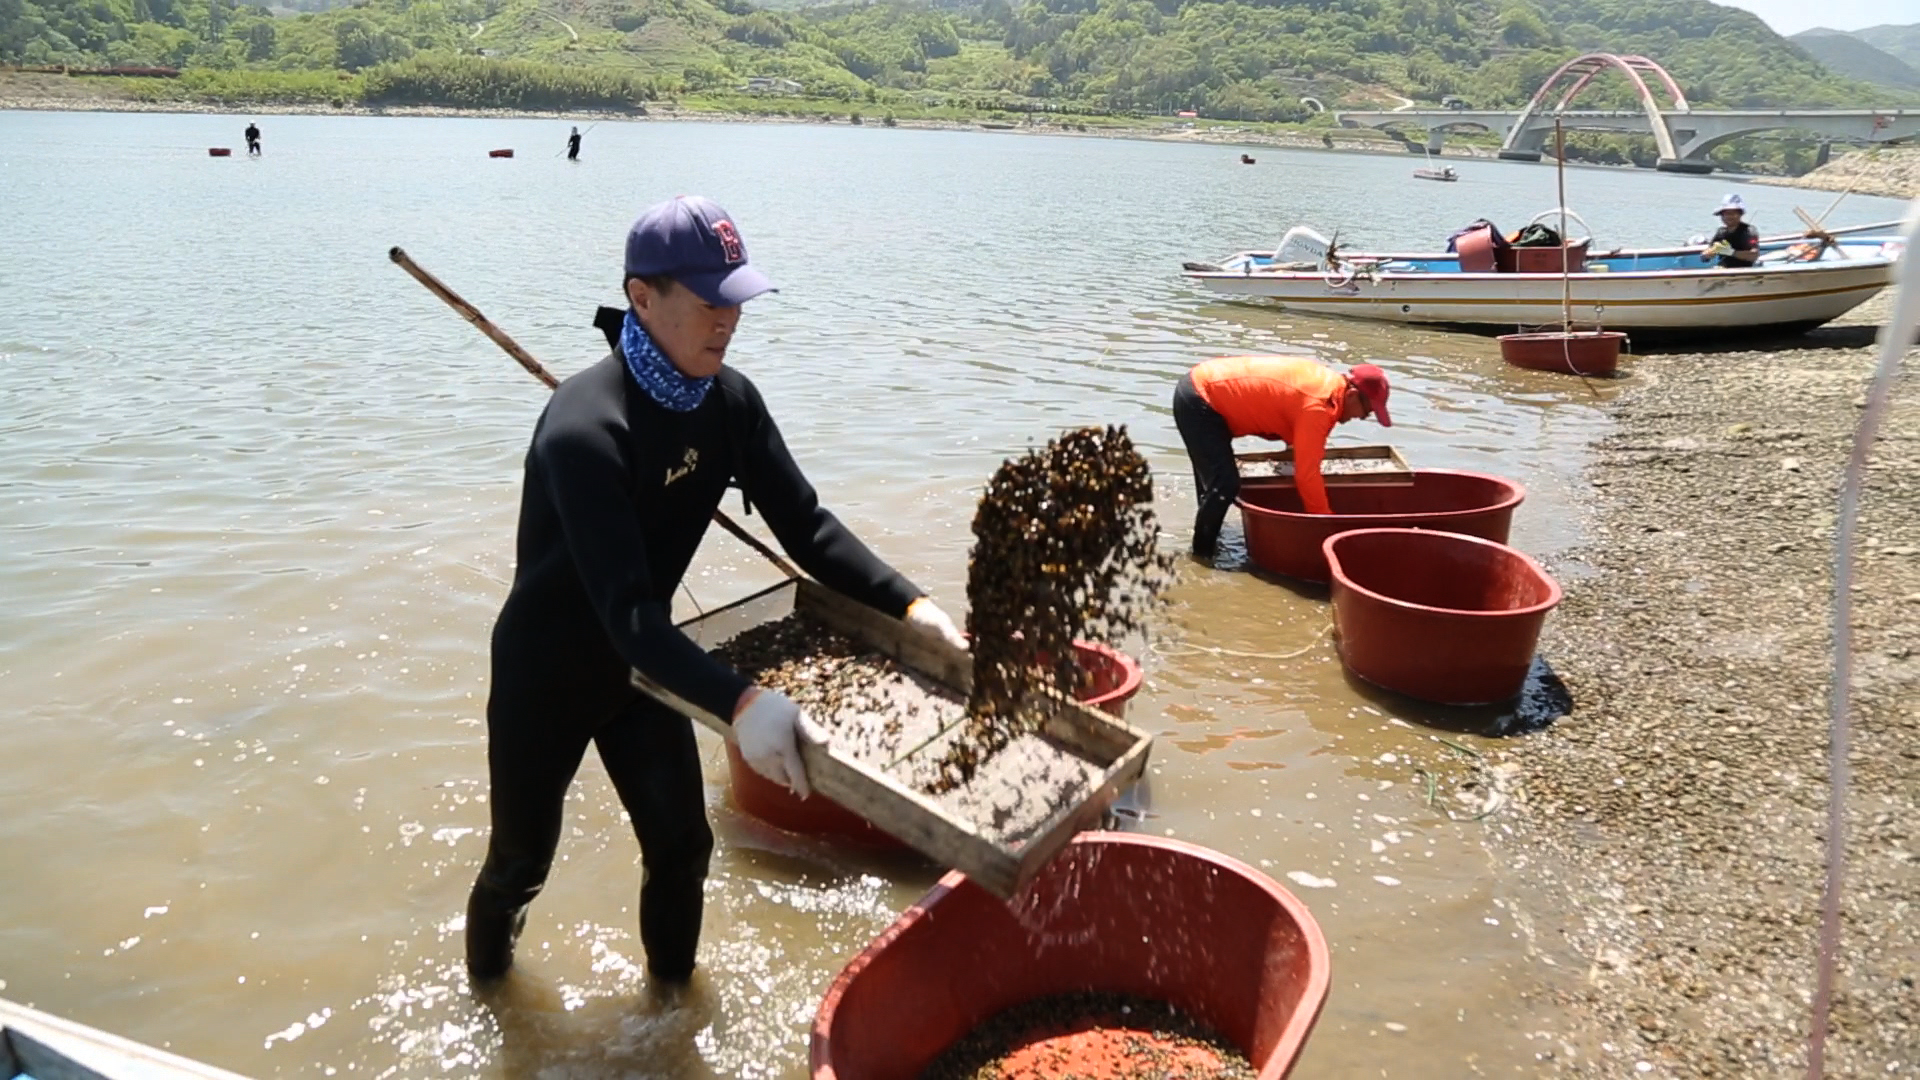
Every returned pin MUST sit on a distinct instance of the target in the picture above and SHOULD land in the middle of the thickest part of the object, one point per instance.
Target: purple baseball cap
(692, 240)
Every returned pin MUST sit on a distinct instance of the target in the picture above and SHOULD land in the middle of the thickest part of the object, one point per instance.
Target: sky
(1793, 16)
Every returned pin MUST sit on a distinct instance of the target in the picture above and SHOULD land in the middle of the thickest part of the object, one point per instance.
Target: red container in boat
(219, 151)
(1437, 616)
(1284, 539)
(1582, 352)
(1114, 913)
(499, 153)
(1115, 678)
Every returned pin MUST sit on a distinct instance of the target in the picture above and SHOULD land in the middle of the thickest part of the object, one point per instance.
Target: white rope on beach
(1896, 338)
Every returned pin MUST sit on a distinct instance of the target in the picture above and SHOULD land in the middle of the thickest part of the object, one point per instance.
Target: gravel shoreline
(1892, 171)
(1678, 811)
(51, 93)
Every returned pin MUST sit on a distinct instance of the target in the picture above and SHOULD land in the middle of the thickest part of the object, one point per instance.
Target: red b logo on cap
(730, 245)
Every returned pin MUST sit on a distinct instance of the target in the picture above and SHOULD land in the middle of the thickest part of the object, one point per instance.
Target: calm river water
(257, 498)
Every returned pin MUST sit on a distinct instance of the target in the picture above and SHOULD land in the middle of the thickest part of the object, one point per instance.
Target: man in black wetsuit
(628, 463)
(1736, 244)
(253, 138)
(573, 145)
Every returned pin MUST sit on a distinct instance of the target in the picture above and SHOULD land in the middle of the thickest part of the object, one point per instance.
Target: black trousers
(535, 743)
(1216, 478)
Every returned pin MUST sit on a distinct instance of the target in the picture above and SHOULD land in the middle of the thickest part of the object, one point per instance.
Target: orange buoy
(219, 151)
(499, 153)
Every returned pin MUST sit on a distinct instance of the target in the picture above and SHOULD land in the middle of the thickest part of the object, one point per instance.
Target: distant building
(768, 84)
(1187, 114)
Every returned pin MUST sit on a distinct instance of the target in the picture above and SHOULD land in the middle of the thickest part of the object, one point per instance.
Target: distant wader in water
(253, 139)
(573, 145)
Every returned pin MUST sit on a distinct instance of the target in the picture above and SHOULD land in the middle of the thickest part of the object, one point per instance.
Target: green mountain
(1236, 59)
(1902, 42)
(1844, 54)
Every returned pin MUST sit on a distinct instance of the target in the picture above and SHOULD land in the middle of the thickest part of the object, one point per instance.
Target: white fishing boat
(41, 1046)
(1798, 283)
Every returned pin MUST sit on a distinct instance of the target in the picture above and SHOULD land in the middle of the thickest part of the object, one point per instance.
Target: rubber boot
(492, 929)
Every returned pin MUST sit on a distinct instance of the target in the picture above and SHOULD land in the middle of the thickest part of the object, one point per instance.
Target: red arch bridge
(1684, 134)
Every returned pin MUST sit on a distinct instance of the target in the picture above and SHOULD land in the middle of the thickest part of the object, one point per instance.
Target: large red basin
(1284, 539)
(1115, 678)
(1114, 913)
(1437, 616)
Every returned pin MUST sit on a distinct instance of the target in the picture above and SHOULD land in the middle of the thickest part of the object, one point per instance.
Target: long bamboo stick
(539, 371)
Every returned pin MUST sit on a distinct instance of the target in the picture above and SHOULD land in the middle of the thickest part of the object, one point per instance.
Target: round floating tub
(499, 153)
(1437, 616)
(1115, 678)
(1115, 913)
(1284, 539)
(219, 151)
(1582, 352)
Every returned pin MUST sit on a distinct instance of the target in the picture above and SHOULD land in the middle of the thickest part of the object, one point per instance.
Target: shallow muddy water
(257, 500)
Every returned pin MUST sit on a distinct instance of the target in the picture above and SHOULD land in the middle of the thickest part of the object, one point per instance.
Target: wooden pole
(539, 371)
(1566, 277)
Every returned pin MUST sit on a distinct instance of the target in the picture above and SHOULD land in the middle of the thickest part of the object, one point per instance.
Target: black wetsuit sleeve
(581, 466)
(809, 532)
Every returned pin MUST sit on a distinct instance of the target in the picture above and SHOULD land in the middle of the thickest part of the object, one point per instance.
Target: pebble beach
(1679, 809)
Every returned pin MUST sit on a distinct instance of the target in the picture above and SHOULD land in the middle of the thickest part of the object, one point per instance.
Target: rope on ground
(1181, 648)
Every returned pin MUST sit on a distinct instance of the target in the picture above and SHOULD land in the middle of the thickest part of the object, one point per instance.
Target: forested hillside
(1897, 41)
(1235, 59)
(1847, 55)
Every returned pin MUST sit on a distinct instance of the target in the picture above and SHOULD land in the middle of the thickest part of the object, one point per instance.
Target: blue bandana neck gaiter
(656, 374)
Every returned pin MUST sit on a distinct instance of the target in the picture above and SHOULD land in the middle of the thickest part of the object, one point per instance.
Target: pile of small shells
(849, 687)
(1065, 549)
(903, 723)
(1264, 468)
(1154, 1053)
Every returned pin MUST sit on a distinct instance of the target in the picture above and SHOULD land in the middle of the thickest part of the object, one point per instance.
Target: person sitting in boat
(1294, 399)
(626, 468)
(1736, 244)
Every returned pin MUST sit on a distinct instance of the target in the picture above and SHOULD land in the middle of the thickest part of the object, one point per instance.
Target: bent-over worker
(1736, 244)
(1294, 399)
(627, 465)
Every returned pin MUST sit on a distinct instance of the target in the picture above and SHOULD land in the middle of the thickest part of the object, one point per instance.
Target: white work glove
(926, 615)
(768, 728)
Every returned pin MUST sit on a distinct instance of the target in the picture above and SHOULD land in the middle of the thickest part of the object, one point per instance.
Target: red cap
(1372, 384)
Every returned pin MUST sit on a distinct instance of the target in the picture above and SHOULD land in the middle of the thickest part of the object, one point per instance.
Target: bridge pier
(1684, 165)
(1521, 155)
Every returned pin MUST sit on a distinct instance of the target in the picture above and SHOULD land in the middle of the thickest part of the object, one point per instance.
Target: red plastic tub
(1437, 616)
(1284, 539)
(1115, 679)
(1582, 352)
(499, 153)
(219, 151)
(1115, 913)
